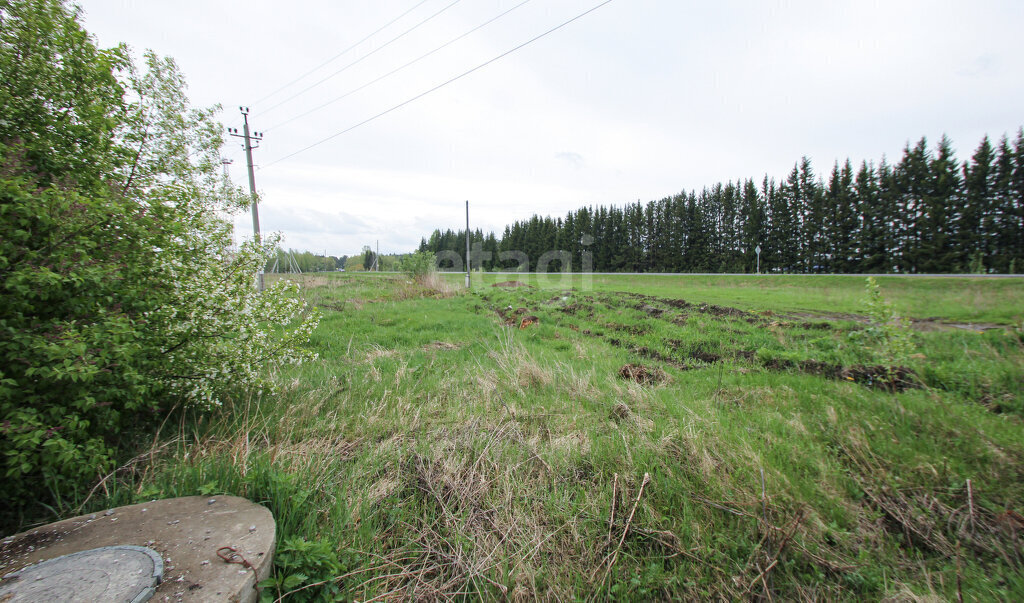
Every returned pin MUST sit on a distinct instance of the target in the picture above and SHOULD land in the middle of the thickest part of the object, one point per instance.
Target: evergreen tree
(753, 226)
(940, 199)
(1016, 186)
(974, 219)
(925, 214)
(787, 231)
(912, 183)
(841, 216)
(1003, 209)
(814, 227)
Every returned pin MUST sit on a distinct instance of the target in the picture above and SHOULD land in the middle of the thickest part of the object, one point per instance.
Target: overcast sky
(637, 100)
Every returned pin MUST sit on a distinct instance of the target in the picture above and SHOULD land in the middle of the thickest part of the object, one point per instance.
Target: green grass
(435, 452)
(954, 299)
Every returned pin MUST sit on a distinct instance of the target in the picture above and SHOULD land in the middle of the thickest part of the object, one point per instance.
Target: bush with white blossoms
(121, 294)
(220, 334)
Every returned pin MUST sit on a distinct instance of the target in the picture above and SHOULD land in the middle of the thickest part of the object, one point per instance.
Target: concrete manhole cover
(110, 573)
(186, 532)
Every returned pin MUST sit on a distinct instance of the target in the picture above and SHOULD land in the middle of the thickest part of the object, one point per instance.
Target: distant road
(751, 274)
(553, 274)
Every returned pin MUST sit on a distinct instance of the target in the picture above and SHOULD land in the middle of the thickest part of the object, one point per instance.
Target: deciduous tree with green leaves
(122, 296)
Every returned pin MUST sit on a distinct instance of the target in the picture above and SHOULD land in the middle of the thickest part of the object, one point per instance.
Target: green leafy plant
(304, 570)
(887, 335)
(418, 265)
(121, 294)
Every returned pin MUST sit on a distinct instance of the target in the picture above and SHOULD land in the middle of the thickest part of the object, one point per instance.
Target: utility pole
(467, 243)
(256, 136)
(376, 258)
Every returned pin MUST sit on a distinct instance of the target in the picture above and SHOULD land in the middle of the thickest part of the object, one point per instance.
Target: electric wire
(396, 70)
(371, 53)
(377, 31)
(437, 87)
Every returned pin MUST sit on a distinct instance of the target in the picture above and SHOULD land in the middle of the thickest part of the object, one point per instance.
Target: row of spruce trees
(929, 213)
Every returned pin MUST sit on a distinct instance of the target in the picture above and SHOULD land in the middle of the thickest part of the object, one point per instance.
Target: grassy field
(956, 299)
(649, 438)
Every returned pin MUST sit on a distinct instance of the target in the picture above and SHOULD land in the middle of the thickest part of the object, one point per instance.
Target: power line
(372, 52)
(439, 86)
(396, 70)
(377, 31)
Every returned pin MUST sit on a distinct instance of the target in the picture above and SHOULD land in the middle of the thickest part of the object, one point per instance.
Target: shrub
(121, 295)
(418, 265)
(886, 334)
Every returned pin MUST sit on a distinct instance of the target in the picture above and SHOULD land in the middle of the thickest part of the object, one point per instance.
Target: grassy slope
(958, 299)
(433, 451)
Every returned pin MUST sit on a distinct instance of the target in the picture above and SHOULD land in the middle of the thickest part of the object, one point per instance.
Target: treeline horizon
(928, 213)
(305, 261)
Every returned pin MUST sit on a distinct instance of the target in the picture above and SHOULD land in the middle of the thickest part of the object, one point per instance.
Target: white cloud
(638, 100)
